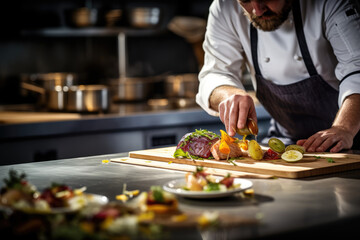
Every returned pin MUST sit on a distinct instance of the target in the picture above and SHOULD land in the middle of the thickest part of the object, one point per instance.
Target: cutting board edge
(277, 173)
(215, 171)
(147, 154)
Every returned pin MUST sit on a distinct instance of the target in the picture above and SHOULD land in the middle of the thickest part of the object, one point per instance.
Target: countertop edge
(113, 122)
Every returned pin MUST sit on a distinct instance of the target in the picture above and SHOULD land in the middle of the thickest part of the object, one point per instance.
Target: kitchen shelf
(120, 32)
(90, 32)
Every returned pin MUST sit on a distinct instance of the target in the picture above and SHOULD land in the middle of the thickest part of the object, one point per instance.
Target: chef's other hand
(333, 139)
(235, 110)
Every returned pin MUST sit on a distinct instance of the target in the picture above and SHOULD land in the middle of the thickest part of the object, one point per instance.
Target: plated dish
(177, 187)
(19, 194)
(79, 203)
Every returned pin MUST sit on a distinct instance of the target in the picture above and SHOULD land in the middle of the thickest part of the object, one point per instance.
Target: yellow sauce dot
(146, 216)
(249, 191)
(122, 197)
(179, 218)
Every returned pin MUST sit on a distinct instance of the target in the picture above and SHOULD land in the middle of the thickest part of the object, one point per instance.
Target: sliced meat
(235, 151)
(198, 143)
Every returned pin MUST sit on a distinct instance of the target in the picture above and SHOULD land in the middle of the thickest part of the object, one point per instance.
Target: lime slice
(292, 156)
(295, 147)
(276, 145)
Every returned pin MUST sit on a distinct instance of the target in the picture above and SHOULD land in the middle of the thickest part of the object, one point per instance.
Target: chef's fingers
(233, 118)
(338, 147)
(245, 105)
(321, 142)
(301, 142)
(326, 144)
(224, 110)
(252, 113)
(307, 144)
(222, 113)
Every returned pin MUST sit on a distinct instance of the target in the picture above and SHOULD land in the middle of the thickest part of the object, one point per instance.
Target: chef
(304, 59)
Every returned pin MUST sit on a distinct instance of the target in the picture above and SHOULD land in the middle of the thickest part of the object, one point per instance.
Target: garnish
(277, 145)
(199, 180)
(292, 156)
(126, 194)
(212, 187)
(271, 155)
(203, 132)
(157, 193)
(330, 160)
(255, 151)
(15, 180)
(232, 162)
(199, 169)
(224, 142)
(196, 145)
(244, 144)
(179, 153)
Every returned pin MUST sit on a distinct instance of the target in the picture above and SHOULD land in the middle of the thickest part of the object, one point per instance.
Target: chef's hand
(333, 139)
(341, 134)
(235, 110)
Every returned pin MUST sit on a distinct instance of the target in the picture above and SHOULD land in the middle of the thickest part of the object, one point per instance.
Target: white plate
(176, 187)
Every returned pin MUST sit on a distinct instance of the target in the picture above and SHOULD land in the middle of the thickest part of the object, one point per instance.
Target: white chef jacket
(332, 32)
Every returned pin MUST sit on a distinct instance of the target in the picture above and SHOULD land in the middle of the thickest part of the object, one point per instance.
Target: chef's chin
(270, 21)
(267, 25)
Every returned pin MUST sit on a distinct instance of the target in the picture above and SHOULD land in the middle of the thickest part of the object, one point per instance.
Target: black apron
(301, 109)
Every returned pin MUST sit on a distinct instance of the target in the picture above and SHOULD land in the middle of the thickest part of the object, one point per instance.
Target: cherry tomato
(271, 155)
(227, 181)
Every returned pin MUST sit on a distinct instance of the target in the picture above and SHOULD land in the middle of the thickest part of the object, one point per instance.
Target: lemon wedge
(292, 156)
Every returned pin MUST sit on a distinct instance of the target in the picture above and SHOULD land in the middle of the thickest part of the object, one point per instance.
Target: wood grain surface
(311, 165)
(187, 168)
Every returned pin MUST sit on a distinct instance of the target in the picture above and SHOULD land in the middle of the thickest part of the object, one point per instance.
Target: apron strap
(254, 47)
(301, 40)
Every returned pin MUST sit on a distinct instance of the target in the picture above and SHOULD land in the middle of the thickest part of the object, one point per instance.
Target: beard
(270, 20)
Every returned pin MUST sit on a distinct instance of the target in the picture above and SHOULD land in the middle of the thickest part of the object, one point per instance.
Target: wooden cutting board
(187, 168)
(311, 165)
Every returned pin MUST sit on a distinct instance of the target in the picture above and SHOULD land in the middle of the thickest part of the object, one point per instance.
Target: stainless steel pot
(57, 98)
(132, 89)
(88, 98)
(52, 99)
(81, 17)
(49, 81)
(182, 85)
(51, 88)
(144, 17)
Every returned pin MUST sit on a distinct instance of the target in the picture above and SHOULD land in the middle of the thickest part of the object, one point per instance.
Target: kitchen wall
(95, 58)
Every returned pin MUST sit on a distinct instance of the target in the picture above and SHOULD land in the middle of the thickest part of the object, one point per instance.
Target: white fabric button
(298, 58)
(267, 59)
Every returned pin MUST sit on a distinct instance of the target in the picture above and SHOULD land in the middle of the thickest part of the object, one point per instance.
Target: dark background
(95, 58)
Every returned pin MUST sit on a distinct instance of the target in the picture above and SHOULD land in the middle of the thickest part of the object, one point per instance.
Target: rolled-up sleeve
(223, 54)
(342, 22)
